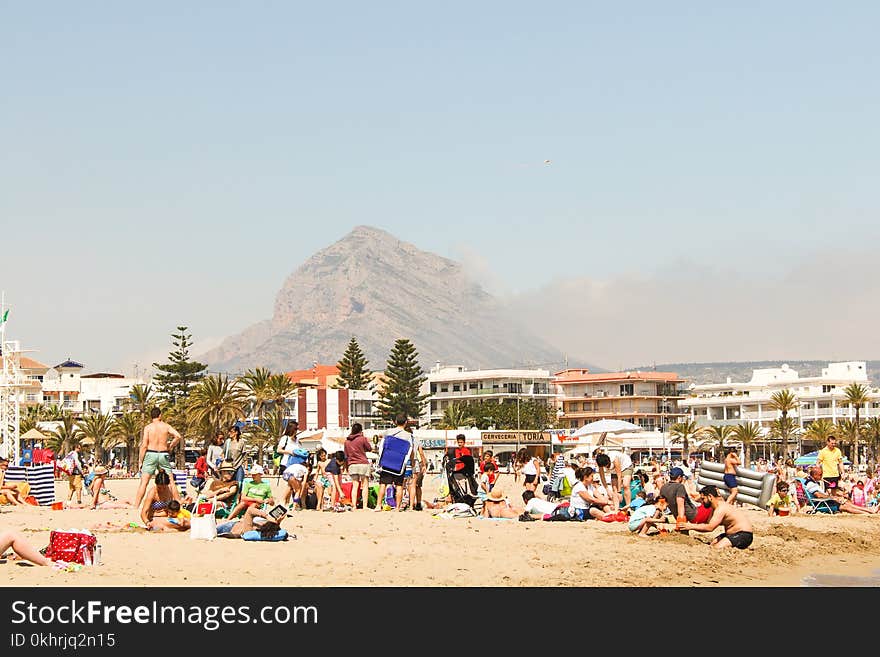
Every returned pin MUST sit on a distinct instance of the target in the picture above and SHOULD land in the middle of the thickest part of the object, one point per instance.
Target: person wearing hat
(101, 496)
(11, 492)
(224, 488)
(255, 492)
(679, 500)
(497, 506)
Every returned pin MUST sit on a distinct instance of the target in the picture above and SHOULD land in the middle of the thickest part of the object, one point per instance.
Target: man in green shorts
(155, 453)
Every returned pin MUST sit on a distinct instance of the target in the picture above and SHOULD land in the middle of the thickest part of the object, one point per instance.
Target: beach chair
(809, 502)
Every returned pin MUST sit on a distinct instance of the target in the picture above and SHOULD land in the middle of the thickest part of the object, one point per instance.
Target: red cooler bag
(71, 547)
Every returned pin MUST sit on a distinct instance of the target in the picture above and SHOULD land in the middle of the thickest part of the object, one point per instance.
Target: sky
(703, 167)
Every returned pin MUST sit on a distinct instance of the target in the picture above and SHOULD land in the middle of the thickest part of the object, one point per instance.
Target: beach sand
(365, 548)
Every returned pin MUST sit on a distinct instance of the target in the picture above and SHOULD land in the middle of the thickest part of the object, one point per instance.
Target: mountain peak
(378, 288)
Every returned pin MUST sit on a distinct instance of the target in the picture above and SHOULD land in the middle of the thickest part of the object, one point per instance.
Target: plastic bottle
(97, 555)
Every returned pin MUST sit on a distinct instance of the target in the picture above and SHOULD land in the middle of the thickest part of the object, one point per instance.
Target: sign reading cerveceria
(523, 437)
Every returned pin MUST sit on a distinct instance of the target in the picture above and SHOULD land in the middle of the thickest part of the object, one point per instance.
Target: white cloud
(823, 307)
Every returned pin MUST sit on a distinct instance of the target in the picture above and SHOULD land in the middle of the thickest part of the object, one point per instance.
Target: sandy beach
(416, 549)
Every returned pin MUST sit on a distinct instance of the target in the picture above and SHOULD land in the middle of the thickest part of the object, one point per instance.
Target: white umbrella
(606, 426)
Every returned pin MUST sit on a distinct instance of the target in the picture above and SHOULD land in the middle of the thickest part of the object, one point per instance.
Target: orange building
(319, 376)
(649, 399)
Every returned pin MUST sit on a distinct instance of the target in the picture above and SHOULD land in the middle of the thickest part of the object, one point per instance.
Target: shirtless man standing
(737, 528)
(730, 463)
(154, 453)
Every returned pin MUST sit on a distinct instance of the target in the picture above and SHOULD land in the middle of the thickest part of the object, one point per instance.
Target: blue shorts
(730, 481)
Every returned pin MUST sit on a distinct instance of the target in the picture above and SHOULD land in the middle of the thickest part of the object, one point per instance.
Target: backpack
(67, 465)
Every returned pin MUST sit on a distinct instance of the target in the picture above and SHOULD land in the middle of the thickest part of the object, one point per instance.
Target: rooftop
(69, 364)
(583, 376)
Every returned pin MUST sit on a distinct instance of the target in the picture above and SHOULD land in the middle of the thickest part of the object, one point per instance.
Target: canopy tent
(606, 426)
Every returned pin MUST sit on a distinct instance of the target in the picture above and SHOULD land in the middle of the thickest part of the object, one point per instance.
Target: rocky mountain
(372, 286)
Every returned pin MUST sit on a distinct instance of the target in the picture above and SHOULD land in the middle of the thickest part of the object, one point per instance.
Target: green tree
(97, 428)
(819, 430)
(400, 390)
(176, 378)
(684, 432)
(747, 433)
(856, 396)
(128, 427)
(353, 371)
(717, 434)
(141, 399)
(456, 415)
(279, 389)
(871, 432)
(784, 401)
(256, 382)
(215, 403)
(782, 429)
(63, 438)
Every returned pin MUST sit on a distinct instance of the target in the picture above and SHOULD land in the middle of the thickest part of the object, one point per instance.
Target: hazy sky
(173, 162)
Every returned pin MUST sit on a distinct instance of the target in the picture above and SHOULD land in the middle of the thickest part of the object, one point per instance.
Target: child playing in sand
(857, 494)
(175, 519)
(647, 515)
(782, 503)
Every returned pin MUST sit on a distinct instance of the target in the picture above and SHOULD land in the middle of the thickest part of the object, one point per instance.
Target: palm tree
(718, 433)
(782, 428)
(216, 402)
(142, 398)
(855, 395)
(819, 430)
(264, 436)
(846, 428)
(128, 426)
(51, 413)
(683, 432)
(62, 439)
(784, 401)
(279, 388)
(871, 432)
(31, 417)
(456, 415)
(98, 428)
(747, 433)
(256, 382)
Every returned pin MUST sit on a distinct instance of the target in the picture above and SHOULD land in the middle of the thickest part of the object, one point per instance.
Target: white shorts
(297, 471)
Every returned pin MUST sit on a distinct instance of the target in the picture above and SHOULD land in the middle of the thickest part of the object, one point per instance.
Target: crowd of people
(653, 498)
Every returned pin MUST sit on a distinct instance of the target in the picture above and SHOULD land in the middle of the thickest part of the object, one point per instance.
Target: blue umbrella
(810, 459)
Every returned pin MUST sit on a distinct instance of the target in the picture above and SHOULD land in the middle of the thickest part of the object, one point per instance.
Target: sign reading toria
(523, 437)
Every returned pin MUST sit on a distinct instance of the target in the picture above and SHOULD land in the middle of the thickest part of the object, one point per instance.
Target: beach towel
(180, 480)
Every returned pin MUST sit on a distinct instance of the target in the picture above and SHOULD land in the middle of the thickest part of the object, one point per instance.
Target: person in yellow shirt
(782, 502)
(831, 459)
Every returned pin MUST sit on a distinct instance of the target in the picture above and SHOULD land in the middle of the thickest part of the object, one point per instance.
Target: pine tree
(176, 378)
(403, 379)
(353, 371)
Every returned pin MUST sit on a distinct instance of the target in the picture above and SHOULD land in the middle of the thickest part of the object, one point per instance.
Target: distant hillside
(377, 288)
(742, 371)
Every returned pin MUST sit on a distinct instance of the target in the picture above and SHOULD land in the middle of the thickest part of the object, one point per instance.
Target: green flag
(5, 315)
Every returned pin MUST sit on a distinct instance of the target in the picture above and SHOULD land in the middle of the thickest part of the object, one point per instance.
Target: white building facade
(818, 397)
(448, 384)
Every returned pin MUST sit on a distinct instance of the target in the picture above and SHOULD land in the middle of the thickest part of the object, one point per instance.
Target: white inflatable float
(753, 486)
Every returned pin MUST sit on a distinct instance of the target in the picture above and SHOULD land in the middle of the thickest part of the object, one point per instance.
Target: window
(573, 424)
(626, 389)
(588, 406)
(444, 388)
(472, 386)
(433, 388)
(828, 388)
(456, 387)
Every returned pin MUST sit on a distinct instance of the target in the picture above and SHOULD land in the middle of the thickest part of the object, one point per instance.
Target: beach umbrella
(604, 427)
(810, 459)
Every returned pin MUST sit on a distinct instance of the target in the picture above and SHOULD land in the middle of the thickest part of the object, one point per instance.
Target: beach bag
(71, 547)
(67, 465)
(203, 527)
(197, 483)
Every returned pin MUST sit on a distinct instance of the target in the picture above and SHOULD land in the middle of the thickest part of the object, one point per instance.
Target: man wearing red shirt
(460, 451)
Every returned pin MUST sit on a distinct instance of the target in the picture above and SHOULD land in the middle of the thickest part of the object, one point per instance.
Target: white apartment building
(447, 384)
(102, 392)
(818, 396)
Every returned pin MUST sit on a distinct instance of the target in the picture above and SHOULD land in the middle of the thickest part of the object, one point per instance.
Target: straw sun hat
(226, 466)
(101, 470)
(496, 495)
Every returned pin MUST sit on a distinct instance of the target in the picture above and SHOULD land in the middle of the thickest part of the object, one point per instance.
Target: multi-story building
(453, 383)
(101, 392)
(649, 399)
(818, 396)
(29, 387)
(318, 405)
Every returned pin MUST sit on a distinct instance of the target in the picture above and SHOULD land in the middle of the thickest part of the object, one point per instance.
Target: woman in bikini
(157, 498)
(102, 498)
